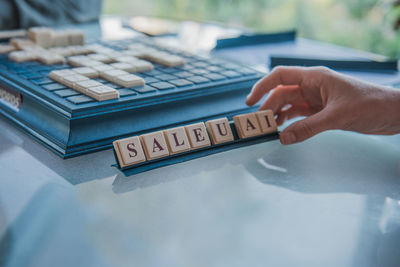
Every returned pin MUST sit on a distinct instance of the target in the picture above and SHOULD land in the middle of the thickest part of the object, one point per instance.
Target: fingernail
(288, 138)
(247, 99)
(249, 95)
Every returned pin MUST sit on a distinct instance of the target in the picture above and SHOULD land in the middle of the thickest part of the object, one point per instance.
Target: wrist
(391, 106)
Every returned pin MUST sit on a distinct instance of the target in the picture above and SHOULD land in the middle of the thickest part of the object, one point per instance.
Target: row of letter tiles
(138, 149)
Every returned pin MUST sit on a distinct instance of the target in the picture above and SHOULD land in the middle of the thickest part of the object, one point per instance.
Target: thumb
(306, 128)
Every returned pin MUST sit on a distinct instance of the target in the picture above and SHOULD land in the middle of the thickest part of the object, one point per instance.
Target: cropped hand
(328, 100)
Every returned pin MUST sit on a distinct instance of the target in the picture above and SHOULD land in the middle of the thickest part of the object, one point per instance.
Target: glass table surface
(330, 201)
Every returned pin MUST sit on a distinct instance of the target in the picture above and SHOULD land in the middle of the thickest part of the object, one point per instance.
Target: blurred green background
(362, 24)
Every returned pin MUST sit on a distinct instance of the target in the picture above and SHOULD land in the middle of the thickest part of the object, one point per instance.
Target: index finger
(278, 76)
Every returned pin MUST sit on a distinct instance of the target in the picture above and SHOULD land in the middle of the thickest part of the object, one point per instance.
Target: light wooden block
(128, 59)
(76, 61)
(129, 151)
(197, 135)
(133, 53)
(94, 47)
(91, 63)
(100, 57)
(113, 54)
(111, 75)
(129, 80)
(22, 56)
(154, 144)
(102, 93)
(267, 121)
(50, 58)
(70, 80)
(86, 71)
(58, 75)
(173, 61)
(102, 68)
(105, 50)
(75, 37)
(142, 65)
(220, 131)
(8, 34)
(177, 140)
(149, 51)
(6, 48)
(62, 51)
(154, 55)
(61, 73)
(59, 38)
(83, 86)
(136, 47)
(42, 36)
(20, 43)
(123, 66)
(80, 49)
(247, 125)
(35, 49)
(165, 59)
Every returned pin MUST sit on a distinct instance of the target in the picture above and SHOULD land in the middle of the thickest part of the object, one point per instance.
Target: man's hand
(329, 100)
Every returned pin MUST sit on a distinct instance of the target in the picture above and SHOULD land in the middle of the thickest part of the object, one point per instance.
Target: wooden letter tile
(163, 58)
(129, 80)
(247, 125)
(123, 66)
(102, 92)
(155, 145)
(58, 75)
(70, 80)
(42, 36)
(91, 63)
(86, 71)
(142, 65)
(6, 48)
(22, 56)
(100, 57)
(75, 37)
(83, 86)
(21, 43)
(102, 68)
(50, 58)
(61, 51)
(111, 75)
(198, 136)
(129, 151)
(177, 140)
(267, 121)
(127, 59)
(77, 60)
(219, 130)
(59, 38)
(133, 53)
